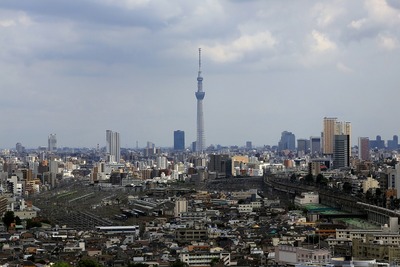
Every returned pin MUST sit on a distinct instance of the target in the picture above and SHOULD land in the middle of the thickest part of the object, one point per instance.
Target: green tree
(214, 261)
(30, 224)
(88, 263)
(347, 187)
(309, 179)
(178, 263)
(61, 264)
(319, 179)
(8, 218)
(18, 220)
(137, 265)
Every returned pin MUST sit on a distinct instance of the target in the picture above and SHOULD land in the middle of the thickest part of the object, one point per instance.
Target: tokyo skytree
(200, 141)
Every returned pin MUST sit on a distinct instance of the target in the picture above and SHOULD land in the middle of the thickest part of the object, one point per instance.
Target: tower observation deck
(200, 141)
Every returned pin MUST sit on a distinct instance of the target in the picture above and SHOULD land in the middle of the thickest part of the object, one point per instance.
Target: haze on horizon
(78, 68)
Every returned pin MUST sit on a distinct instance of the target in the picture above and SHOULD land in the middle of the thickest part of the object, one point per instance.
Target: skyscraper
(52, 143)
(363, 148)
(333, 127)
(200, 141)
(315, 144)
(113, 146)
(179, 140)
(328, 135)
(341, 151)
(288, 141)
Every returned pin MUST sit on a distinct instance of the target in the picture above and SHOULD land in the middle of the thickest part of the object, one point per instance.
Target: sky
(78, 68)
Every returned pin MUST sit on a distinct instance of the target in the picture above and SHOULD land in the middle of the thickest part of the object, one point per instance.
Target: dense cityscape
(209, 188)
(307, 202)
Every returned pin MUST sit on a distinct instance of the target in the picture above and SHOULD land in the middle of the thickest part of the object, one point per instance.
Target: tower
(200, 141)
(113, 146)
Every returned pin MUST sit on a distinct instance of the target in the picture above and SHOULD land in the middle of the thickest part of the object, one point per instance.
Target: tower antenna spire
(199, 59)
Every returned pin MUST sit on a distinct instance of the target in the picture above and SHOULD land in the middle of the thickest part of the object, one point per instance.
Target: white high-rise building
(113, 146)
(52, 143)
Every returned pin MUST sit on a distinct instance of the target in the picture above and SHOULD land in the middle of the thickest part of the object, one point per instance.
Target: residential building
(113, 146)
(363, 148)
(328, 135)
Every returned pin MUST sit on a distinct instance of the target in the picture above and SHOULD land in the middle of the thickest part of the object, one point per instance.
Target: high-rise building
(20, 148)
(341, 151)
(219, 164)
(328, 137)
(315, 145)
(288, 141)
(113, 146)
(393, 144)
(179, 140)
(363, 148)
(333, 127)
(249, 145)
(378, 143)
(200, 141)
(302, 145)
(52, 143)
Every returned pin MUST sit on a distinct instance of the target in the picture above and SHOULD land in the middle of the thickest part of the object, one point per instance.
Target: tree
(88, 263)
(347, 187)
(30, 224)
(137, 264)
(61, 264)
(18, 220)
(319, 179)
(178, 263)
(293, 178)
(309, 179)
(8, 218)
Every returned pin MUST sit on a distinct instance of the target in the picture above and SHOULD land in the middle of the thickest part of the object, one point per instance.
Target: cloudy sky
(77, 68)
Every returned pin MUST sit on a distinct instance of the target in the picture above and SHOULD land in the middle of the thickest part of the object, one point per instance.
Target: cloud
(7, 23)
(343, 68)
(357, 24)
(326, 14)
(381, 12)
(241, 47)
(322, 42)
(388, 42)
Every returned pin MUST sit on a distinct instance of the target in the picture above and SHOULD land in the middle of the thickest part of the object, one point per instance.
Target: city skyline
(79, 68)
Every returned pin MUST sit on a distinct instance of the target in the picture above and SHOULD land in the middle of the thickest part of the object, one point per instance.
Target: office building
(363, 148)
(393, 144)
(302, 145)
(287, 142)
(378, 143)
(315, 145)
(249, 145)
(113, 146)
(179, 140)
(220, 164)
(200, 141)
(52, 143)
(341, 151)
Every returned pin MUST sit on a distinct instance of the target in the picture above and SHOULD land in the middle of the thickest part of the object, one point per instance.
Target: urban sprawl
(320, 201)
